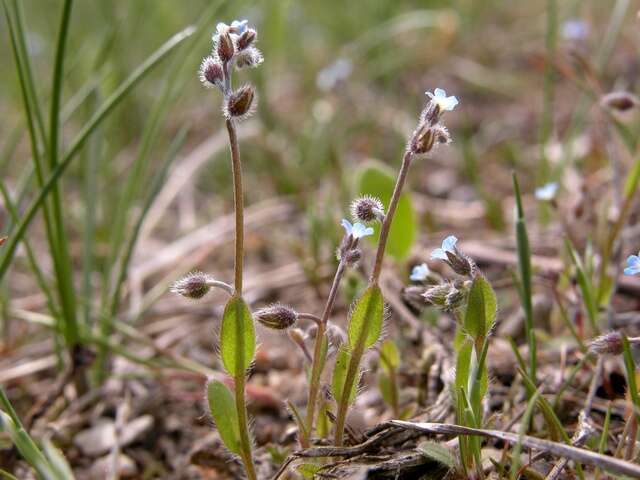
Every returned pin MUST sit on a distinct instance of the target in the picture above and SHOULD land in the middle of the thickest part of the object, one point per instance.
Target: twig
(581, 455)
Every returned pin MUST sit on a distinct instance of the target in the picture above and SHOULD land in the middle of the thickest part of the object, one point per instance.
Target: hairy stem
(238, 204)
(388, 219)
(247, 459)
(343, 403)
(318, 361)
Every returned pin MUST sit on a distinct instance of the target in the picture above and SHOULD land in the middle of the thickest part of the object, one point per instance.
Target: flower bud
(620, 101)
(422, 140)
(353, 256)
(609, 343)
(277, 316)
(437, 295)
(246, 39)
(224, 47)
(335, 335)
(459, 263)
(239, 104)
(367, 209)
(195, 285)
(249, 57)
(441, 134)
(211, 73)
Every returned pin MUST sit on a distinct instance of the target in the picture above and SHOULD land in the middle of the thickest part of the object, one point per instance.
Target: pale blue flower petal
(449, 243)
(439, 93)
(449, 103)
(347, 226)
(439, 254)
(367, 231)
(546, 192)
(632, 270)
(359, 230)
(419, 272)
(240, 25)
(633, 265)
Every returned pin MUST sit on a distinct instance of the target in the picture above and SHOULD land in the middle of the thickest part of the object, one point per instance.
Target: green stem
(238, 203)
(241, 407)
(343, 404)
(318, 358)
(388, 219)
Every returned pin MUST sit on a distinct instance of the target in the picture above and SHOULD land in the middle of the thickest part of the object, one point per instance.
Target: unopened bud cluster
(233, 47)
(367, 209)
(430, 131)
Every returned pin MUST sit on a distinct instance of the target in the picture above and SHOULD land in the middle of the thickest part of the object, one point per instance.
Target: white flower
(575, 29)
(357, 230)
(439, 97)
(546, 192)
(448, 245)
(420, 273)
(633, 265)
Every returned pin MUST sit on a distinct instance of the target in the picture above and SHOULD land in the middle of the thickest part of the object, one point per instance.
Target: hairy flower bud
(224, 47)
(441, 134)
(459, 263)
(422, 139)
(277, 316)
(249, 57)
(367, 209)
(620, 101)
(353, 256)
(240, 103)
(336, 336)
(195, 285)
(211, 73)
(246, 39)
(609, 343)
(437, 295)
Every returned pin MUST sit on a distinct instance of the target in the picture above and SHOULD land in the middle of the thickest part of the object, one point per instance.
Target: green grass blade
(141, 72)
(524, 268)
(632, 385)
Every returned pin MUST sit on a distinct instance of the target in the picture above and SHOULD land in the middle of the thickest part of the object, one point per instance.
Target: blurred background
(148, 196)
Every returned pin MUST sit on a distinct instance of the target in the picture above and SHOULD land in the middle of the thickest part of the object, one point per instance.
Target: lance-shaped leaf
(389, 356)
(237, 337)
(340, 374)
(223, 411)
(481, 309)
(365, 324)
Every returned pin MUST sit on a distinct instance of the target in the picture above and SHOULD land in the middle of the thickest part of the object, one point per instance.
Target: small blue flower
(237, 27)
(420, 273)
(439, 97)
(575, 29)
(357, 230)
(633, 265)
(448, 245)
(547, 192)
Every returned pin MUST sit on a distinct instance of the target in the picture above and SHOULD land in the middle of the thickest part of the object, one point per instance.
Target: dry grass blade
(579, 455)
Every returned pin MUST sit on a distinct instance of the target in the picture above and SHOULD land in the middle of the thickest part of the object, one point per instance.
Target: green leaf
(237, 337)
(481, 309)
(340, 374)
(389, 356)
(438, 453)
(223, 411)
(365, 324)
(384, 383)
(308, 470)
(463, 365)
(378, 180)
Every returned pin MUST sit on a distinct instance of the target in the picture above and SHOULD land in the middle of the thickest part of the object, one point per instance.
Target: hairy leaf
(237, 337)
(365, 324)
(481, 309)
(389, 356)
(340, 374)
(223, 411)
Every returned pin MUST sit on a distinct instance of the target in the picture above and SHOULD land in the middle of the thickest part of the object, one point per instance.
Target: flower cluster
(233, 46)
(449, 296)
(430, 130)
(364, 210)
